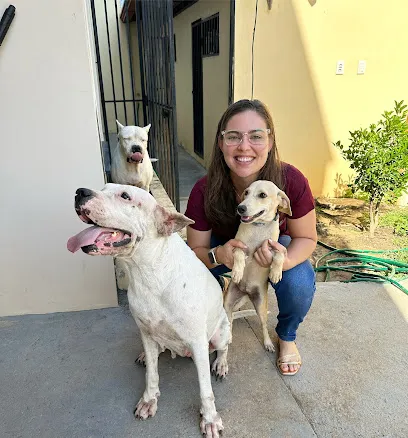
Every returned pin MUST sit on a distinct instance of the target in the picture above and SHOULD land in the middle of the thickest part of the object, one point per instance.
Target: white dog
(259, 212)
(173, 297)
(131, 164)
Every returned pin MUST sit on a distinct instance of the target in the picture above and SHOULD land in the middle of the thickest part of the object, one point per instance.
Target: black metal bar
(197, 67)
(121, 100)
(151, 60)
(5, 22)
(120, 62)
(131, 62)
(148, 56)
(101, 89)
(156, 73)
(148, 80)
(139, 25)
(176, 198)
(231, 53)
(162, 32)
(110, 57)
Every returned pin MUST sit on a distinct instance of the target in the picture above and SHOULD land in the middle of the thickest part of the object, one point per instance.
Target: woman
(245, 151)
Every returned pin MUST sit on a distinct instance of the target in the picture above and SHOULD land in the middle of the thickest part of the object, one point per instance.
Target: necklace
(236, 191)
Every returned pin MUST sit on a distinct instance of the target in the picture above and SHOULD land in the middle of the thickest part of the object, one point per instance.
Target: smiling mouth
(96, 240)
(244, 160)
(249, 219)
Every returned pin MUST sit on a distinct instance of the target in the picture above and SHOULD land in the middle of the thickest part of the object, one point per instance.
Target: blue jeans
(294, 292)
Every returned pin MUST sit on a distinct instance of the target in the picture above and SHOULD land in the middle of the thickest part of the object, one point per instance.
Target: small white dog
(131, 164)
(174, 299)
(259, 211)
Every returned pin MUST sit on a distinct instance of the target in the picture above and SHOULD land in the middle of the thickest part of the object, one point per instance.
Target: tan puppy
(259, 212)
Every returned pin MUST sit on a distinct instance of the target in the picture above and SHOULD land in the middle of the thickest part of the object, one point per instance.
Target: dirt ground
(343, 224)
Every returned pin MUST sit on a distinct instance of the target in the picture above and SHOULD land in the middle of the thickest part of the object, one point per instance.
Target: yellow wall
(297, 45)
(215, 75)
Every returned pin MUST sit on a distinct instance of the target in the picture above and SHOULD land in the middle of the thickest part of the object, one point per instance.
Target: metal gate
(139, 90)
(154, 22)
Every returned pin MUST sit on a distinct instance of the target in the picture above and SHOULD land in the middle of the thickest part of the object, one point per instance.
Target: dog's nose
(84, 193)
(241, 209)
(136, 148)
(82, 196)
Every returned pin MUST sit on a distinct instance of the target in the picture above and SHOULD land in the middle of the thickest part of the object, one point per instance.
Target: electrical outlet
(361, 67)
(340, 68)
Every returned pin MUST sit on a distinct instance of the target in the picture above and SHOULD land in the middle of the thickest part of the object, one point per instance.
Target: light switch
(340, 68)
(361, 67)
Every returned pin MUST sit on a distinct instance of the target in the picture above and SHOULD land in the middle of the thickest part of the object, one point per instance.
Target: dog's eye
(263, 195)
(246, 193)
(124, 195)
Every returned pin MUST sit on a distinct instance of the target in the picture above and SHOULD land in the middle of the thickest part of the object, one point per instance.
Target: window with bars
(210, 33)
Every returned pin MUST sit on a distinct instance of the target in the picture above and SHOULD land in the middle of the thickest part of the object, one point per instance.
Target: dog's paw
(269, 346)
(145, 409)
(275, 275)
(236, 275)
(220, 367)
(141, 359)
(211, 429)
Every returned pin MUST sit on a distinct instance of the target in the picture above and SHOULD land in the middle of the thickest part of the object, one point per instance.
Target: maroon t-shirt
(297, 189)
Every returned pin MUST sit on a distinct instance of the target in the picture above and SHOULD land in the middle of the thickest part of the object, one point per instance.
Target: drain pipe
(5, 21)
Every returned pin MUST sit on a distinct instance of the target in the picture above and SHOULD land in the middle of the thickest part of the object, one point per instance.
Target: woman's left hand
(264, 254)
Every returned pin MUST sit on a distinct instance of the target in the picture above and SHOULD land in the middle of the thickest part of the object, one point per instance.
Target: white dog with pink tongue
(174, 299)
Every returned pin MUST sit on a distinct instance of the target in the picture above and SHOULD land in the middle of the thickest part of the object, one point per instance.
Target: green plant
(379, 157)
(397, 220)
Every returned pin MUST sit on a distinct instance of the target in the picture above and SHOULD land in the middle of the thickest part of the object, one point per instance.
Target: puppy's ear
(120, 126)
(147, 128)
(284, 203)
(168, 222)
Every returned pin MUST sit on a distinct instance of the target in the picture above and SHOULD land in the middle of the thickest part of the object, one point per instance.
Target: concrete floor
(73, 374)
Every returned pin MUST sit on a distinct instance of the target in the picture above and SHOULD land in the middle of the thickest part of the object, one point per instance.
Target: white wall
(49, 147)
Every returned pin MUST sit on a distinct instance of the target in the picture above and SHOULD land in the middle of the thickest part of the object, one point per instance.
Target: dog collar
(263, 223)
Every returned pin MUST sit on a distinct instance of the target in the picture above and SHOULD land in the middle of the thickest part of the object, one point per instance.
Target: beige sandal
(289, 359)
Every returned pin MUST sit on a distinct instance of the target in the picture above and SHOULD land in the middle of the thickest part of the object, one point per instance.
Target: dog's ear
(168, 222)
(120, 126)
(147, 128)
(284, 203)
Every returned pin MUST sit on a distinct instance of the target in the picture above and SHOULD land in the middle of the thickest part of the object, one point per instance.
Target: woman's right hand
(224, 253)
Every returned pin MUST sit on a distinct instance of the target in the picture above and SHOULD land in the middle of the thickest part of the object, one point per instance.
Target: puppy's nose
(241, 209)
(84, 193)
(136, 148)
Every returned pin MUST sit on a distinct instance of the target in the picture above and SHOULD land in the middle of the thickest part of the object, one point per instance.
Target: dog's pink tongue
(137, 156)
(84, 238)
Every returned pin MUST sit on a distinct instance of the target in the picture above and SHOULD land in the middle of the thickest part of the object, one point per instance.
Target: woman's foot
(289, 361)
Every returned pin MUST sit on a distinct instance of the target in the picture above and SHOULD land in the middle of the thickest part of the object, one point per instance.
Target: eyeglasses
(257, 137)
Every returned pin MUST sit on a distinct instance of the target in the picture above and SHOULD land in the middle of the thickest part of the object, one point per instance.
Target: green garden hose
(381, 270)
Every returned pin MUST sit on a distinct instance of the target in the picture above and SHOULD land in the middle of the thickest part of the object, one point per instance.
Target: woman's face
(245, 160)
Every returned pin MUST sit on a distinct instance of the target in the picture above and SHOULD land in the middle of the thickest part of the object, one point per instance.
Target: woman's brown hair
(220, 202)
